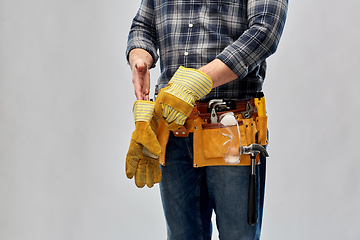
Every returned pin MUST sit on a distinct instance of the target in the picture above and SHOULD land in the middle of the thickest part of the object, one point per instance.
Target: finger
(141, 80)
(149, 174)
(132, 159)
(146, 86)
(141, 92)
(157, 172)
(140, 175)
(130, 169)
(137, 81)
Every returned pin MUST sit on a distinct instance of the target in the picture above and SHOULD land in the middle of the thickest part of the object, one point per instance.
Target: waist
(204, 107)
(206, 110)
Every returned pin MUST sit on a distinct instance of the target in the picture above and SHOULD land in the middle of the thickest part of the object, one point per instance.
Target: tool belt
(207, 137)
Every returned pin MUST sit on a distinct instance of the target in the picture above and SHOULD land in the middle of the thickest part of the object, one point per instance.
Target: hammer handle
(251, 211)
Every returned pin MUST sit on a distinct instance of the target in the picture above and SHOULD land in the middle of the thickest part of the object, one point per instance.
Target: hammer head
(253, 149)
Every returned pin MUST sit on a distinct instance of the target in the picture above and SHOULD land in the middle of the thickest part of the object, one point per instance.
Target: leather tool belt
(207, 137)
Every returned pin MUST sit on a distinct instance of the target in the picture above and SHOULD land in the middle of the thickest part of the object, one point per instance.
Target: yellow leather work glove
(175, 102)
(142, 157)
(145, 169)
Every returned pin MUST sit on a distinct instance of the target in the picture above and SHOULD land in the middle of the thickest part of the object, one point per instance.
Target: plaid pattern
(192, 33)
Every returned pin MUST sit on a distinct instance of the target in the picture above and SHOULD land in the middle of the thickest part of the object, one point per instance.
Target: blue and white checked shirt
(192, 33)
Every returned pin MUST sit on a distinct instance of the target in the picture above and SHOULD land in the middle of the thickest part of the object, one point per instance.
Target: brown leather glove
(145, 169)
(142, 157)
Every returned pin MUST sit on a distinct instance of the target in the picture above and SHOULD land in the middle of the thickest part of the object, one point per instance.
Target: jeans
(189, 195)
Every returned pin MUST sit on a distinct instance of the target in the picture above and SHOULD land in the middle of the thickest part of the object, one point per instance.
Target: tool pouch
(208, 140)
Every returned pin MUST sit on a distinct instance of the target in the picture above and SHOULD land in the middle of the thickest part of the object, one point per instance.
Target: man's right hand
(140, 63)
(141, 80)
(175, 102)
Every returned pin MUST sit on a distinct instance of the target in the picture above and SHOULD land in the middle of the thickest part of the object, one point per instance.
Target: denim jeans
(189, 195)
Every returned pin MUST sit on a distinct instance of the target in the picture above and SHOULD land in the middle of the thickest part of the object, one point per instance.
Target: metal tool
(252, 150)
(219, 105)
(249, 110)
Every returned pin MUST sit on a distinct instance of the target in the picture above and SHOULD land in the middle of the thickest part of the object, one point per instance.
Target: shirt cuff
(143, 45)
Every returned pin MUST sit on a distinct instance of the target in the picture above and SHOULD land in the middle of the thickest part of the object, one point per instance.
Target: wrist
(198, 82)
(140, 54)
(182, 92)
(219, 72)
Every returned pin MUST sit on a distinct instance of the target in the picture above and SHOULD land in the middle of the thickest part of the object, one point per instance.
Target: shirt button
(190, 25)
(186, 53)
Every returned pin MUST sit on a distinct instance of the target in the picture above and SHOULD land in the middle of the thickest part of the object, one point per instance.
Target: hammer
(252, 150)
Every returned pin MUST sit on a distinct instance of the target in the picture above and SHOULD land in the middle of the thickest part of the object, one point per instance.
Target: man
(220, 45)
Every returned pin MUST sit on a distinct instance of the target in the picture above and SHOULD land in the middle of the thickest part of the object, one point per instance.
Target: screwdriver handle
(261, 106)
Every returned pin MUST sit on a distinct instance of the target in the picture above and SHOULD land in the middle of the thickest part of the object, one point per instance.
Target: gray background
(65, 124)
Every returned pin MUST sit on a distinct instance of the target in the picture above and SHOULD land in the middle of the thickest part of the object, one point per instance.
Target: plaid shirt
(192, 33)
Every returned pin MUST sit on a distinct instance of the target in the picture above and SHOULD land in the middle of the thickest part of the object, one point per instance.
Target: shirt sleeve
(266, 19)
(142, 32)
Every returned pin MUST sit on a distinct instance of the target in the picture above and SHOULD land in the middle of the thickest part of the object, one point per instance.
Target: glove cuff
(171, 101)
(143, 111)
(196, 81)
(182, 92)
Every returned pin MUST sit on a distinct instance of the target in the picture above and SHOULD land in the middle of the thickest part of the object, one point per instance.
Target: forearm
(266, 20)
(219, 72)
(142, 35)
(140, 62)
